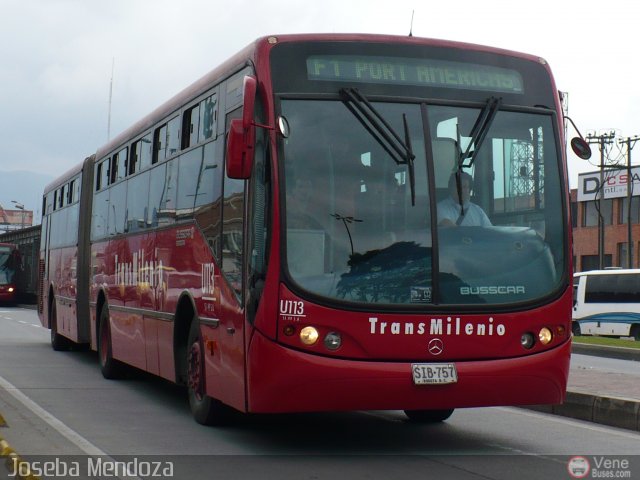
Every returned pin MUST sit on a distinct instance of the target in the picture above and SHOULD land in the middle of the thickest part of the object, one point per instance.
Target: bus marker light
(527, 340)
(333, 340)
(289, 330)
(545, 336)
(309, 335)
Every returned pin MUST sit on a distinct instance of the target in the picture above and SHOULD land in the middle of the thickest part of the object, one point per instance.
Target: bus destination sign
(422, 72)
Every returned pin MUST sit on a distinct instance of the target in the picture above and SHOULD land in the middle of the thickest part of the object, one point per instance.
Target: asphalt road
(59, 408)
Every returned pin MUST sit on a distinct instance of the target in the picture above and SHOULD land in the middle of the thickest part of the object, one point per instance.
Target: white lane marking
(74, 437)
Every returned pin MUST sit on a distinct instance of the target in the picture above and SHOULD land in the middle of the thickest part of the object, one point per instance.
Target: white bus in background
(607, 303)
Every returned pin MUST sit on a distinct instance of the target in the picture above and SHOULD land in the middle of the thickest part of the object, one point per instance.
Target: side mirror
(578, 144)
(581, 148)
(241, 138)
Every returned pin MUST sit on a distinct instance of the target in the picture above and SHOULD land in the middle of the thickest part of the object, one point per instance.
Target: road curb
(611, 411)
(620, 353)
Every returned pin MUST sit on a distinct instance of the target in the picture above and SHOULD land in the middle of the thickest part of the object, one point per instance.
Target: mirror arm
(567, 117)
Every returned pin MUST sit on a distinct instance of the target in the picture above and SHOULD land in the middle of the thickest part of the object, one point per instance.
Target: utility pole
(630, 143)
(602, 141)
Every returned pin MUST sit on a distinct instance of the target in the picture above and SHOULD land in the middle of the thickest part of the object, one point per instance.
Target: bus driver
(451, 213)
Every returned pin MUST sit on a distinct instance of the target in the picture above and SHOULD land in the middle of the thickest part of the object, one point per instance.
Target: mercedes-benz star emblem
(436, 347)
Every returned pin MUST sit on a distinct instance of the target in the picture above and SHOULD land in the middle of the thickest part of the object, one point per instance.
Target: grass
(611, 342)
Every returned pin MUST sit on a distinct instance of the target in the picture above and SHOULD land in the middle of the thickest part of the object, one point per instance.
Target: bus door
(230, 363)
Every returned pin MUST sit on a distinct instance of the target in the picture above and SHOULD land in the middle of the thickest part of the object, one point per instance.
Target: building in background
(614, 209)
(15, 219)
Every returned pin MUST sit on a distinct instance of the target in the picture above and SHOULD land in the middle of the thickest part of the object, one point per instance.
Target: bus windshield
(7, 265)
(476, 217)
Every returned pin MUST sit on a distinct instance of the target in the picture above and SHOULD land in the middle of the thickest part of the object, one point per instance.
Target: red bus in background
(274, 236)
(10, 268)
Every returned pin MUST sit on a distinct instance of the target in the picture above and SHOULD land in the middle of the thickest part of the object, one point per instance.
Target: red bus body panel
(285, 380)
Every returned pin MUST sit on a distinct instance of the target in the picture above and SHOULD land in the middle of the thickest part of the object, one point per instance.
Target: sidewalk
(602, 397)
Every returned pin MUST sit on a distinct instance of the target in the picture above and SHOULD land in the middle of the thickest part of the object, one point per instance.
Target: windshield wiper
(479, 131)
(400, 151)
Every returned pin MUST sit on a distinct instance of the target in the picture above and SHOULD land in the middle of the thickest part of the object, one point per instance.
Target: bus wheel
(575, 329)
(428, 416)
(635, 332)
(58, 342)
(109, 367)
(205, 409)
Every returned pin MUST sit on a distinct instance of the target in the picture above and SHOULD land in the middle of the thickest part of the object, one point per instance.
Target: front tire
(205, 409)
(428, 416)
(110, 368)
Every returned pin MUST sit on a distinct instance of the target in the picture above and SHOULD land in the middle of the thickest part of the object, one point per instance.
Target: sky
(62, 58)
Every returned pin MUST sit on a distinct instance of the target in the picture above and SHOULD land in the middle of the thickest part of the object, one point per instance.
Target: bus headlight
(332, 341)
(10, 289)
(527, 340)
(309, 335)
(545, 336)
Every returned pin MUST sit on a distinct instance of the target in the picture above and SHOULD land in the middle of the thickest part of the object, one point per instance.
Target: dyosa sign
(608, 184)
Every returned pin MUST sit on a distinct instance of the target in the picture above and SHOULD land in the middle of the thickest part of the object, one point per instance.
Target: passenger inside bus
(457, 209)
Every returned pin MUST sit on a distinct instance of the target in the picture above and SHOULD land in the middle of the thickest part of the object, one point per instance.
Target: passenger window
(134, 158)
(121, 164)
(137, 197)
(71, 191)
(190, 127)
(102, 174)
(173, 137)
(208, 118)
(145, 152)
(61, 197)
(160, 143)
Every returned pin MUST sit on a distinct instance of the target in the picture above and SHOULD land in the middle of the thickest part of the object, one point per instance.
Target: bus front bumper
(281, 379)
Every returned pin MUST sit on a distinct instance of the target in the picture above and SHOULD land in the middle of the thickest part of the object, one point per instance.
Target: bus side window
(208, 117)
(190, 127)
(159, 144)
(173, 137)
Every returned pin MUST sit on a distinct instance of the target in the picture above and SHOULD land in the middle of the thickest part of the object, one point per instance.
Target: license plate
(434, 373)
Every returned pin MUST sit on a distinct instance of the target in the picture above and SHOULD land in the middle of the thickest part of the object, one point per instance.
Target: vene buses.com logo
(578, 467)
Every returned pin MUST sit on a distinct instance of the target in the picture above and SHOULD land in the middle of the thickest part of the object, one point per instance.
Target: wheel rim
(194, 370)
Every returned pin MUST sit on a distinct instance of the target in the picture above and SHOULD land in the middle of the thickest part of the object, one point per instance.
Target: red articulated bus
(10, 267)
(279, 236)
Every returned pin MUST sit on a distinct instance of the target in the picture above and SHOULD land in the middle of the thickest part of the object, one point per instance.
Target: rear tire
(110, 368)
(205, 409)
(635, 332)
(428, 416)
(58, 342)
